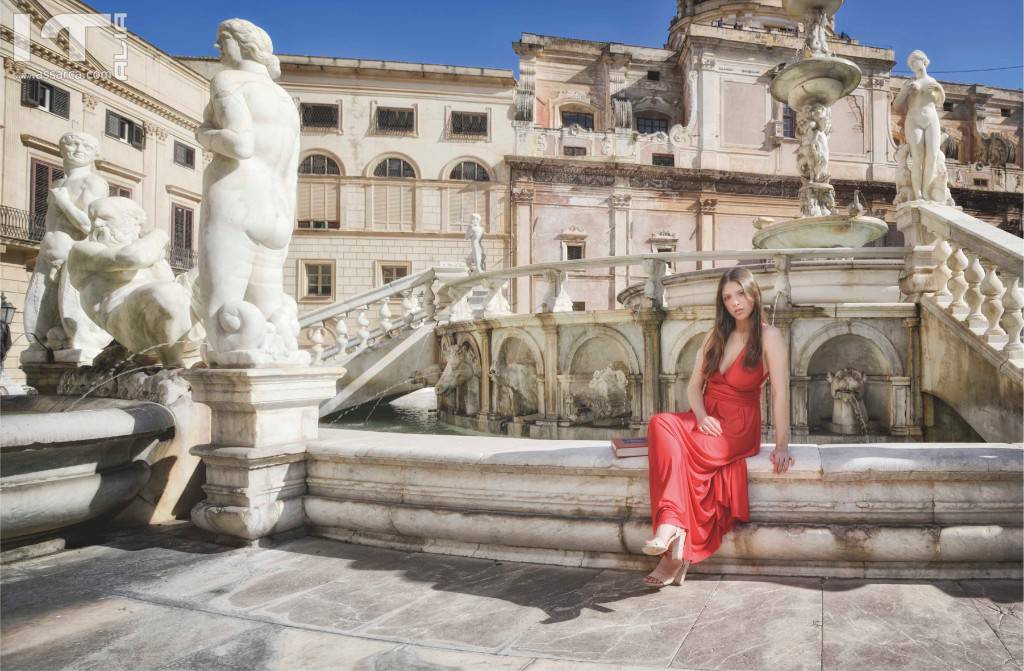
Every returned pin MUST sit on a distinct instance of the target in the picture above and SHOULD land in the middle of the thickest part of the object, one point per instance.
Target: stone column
(619, 238)
(548, 426)
(486, 411)
(800, 385)
(706, 229)
(522, 223)
(650, 323)
(261, 421)
(915, 410)
(709, 94)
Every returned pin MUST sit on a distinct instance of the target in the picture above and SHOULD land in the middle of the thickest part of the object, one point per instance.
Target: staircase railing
(972, 270)
(327, 329)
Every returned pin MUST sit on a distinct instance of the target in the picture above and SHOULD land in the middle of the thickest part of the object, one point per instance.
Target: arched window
(470, 171)
(319, 164)
(394, 167)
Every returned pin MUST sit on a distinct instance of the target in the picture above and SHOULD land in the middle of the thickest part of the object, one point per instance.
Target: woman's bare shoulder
(770, 335)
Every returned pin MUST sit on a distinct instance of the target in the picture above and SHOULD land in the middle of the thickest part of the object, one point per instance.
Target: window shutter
(31, 92)
(407, 201)
(303, 207)
(380, 206)
(113, 124)
(60, 102)
(394, 207)
(40, 188)
(318, 197)
(138, 135)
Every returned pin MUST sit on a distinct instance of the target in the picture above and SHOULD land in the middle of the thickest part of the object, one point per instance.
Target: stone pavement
(170, 600)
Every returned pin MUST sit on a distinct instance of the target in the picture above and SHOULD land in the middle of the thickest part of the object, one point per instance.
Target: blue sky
(956, 35)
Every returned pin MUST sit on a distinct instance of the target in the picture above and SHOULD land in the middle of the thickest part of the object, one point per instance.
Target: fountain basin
(843, 510)
(821, 79)
(833, 230)
(65, 462)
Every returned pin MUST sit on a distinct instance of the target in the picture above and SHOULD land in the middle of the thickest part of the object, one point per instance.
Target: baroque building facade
(141, 104)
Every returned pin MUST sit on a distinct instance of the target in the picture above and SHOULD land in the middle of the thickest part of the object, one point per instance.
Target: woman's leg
(665, 457)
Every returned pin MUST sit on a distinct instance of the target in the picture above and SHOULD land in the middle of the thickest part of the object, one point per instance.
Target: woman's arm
(235, 139)
(778, 372)
(900, 103)
(695, 394)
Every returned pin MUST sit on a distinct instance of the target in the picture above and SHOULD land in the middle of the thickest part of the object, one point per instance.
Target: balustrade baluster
(992, 289)
(408, 307)
(429, 301)
(974, 275)
(957, 285)
(341, 332)
(496, 305)
(1012, 320)
(941, 274)
(316, 336)
(364, 327)
(557, 298)
(384, 315)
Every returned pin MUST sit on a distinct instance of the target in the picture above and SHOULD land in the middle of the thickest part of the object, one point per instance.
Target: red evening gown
(699, 482)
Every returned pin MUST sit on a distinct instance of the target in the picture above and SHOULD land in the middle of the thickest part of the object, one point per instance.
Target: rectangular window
(573, 252)
(579, 306)
(581, 119)
(125, 130)
(319, 224)
(43, 177)
(1005, 111)
(654, 75)
(574, 151)
(119, 191)
(319, 279)
(980, 182)
(393, 270)
(317, 206)
(320, 116)
(181, 232)
(184, 155)
(788, 121)
(664, 160)
(394, 121)
(651, 124)
(947, 106)
(46, 96)
(469, 124)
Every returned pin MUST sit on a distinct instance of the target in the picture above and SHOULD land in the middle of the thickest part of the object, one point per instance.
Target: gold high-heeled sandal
(678, 577)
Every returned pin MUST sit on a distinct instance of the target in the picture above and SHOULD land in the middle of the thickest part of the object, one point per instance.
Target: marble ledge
(921, 461)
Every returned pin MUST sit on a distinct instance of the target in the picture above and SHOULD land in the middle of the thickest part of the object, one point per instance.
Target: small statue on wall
(919, 100)
(849, 414)
(251, 127)
(128, 287)
(54, 318)
(605, 397)
(476, 260)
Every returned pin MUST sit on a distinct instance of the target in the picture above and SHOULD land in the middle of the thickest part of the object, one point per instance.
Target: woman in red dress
(698, 459)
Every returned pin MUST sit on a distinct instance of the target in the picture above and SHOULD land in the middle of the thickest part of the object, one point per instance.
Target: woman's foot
(665, 537)
(667, 572)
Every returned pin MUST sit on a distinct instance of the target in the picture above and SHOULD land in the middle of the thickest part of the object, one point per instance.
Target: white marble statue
(919, 100)
(127, 286)
(476, 260)
(252, 128)
(54, 318)
(849, 414)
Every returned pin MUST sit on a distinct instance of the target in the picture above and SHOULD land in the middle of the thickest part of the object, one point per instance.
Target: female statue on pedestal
(252, 127)
(919, 99)
(54, 318)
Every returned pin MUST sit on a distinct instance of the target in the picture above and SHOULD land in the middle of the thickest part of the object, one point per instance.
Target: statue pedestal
(261, 421)
(45, 377)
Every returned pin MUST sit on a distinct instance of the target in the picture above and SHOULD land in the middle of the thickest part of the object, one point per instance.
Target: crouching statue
(128, 288)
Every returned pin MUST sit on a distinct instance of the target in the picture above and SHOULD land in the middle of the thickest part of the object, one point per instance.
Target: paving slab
(907, 625)
(616, 619)
(757, 623)
(174, 601)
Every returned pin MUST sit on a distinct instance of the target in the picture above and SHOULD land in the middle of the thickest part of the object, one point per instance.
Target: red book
(630, 447)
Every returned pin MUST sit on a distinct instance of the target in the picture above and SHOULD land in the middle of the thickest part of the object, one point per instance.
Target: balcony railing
(21, 225)
(181, 259)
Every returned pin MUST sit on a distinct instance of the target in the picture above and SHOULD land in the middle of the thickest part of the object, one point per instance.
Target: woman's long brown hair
(725, 323)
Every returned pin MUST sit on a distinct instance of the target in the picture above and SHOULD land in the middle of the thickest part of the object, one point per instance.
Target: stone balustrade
(969, 269)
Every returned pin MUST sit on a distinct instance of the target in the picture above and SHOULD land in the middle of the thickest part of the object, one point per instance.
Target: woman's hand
(710, 425)
(781, 459)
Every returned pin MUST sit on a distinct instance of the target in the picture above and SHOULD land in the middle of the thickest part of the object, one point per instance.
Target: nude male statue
(251, 126)
(127, 285)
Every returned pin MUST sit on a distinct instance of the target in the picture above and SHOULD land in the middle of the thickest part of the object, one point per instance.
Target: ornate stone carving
(849, 414)
(522, 196)
(605, 397)
(249, 206)
(620, 201)
(54, 318)
(456, 388)
(574, 176)
(127, 287)
(572, 232)
(918, 100)
(89, 102)
(519, 383)
(13, 68)
(155, 131)
(814, 125)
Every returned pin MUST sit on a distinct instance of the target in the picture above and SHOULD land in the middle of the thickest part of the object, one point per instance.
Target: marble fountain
(899, 472)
